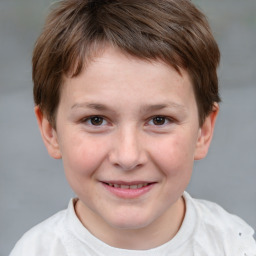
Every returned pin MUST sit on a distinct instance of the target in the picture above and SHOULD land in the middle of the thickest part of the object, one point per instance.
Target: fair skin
(128, 133)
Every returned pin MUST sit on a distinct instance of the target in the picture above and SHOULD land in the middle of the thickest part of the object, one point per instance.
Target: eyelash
(102, 121)
(90, 118)
(166, 120)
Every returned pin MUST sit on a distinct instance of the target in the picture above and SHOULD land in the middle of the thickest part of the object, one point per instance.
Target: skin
(128, 121)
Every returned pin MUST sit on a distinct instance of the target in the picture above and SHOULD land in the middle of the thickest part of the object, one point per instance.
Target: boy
(126, 93)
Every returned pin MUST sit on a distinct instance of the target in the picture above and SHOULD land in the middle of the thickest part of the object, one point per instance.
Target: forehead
(113, 72)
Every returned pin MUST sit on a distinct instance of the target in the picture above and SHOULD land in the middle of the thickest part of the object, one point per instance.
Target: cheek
(175, 156)
(82, 158)
(82, 155)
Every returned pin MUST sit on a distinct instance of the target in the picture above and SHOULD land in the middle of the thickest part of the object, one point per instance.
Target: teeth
(127, 186)
(124, 186)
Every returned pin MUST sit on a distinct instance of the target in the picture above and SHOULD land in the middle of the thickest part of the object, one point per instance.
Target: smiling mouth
(128, 190)
(124, 186)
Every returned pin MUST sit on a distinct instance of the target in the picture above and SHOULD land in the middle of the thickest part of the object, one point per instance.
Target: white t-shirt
(207, 229)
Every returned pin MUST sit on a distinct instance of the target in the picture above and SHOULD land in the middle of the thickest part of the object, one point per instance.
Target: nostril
(127, 153)
(127, 167)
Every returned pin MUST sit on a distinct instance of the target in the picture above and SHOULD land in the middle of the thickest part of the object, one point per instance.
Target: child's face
(127, 122)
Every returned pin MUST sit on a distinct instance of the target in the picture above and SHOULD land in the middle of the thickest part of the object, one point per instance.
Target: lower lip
(128, 193)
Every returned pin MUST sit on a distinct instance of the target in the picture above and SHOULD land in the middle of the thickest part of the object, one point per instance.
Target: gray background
(33, 186)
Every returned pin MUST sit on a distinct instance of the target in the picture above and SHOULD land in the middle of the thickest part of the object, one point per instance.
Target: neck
(155, 234)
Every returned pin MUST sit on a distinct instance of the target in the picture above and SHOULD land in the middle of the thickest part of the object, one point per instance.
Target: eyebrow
(155, 107)
(96, 106)
(145, 108)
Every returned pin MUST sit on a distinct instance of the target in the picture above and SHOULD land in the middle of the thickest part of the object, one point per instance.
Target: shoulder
(42, 238)
(214, 215)
(222, 229)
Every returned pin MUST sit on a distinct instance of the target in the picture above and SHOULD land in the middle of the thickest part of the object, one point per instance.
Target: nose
(128, 151)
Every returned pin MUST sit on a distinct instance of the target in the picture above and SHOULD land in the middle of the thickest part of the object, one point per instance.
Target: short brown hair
(174, 31)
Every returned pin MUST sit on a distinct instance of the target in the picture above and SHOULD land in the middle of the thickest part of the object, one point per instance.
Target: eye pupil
(96, 120)
(159, 120)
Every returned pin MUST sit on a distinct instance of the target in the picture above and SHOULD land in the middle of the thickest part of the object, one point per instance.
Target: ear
(206, 133)
(48, 133)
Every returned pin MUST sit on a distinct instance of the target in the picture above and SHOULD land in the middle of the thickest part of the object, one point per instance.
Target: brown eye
(96, 120)
(159, 120)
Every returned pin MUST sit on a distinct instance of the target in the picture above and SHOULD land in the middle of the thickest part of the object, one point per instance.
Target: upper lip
(128, 183)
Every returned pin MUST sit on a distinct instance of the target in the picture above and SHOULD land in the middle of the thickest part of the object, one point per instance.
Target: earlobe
(48, 134)
(206, 133)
